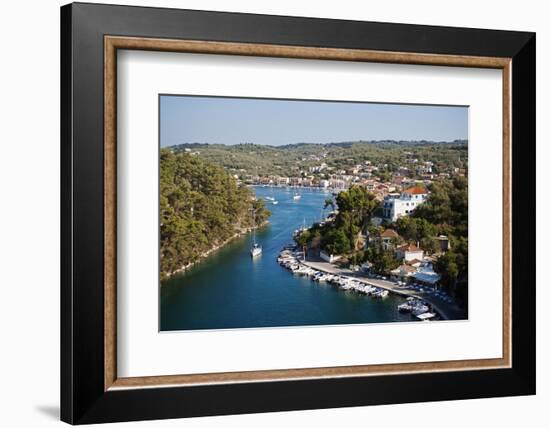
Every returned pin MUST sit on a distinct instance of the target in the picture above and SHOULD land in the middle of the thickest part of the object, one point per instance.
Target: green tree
(355, 208)
(336, 241)
(447, 267)
(303, 239)
(415, 229)
(329, 202)
(382, 260)
(201, 206)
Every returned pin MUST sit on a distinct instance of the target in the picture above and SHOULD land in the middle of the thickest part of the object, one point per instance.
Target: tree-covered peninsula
(201, 207)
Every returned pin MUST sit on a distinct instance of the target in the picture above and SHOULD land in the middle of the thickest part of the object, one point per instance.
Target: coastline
(204, 255)
(326, 267)
(316, 188)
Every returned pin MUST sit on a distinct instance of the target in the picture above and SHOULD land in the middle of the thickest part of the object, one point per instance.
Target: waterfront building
(409, 252)
(337, 184)
(283, 181)
(403, 272)
(295, 181)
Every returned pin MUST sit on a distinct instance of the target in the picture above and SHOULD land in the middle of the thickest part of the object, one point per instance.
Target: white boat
(426, 316)
(322, 277)
(275, 202)
(296, 196)
(302, 270)
(256, 249)
(384, 294)
(381, 293)
(270, 198)
(369, 289)
(404, 307)
(360, 288)
(420, 309)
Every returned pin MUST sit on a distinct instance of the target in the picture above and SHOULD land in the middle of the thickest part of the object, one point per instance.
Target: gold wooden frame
(112, 43)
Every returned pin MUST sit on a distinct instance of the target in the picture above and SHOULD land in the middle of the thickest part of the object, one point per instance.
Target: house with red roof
(409, 252)
(388, 237)
(403, 272)
(405, 204)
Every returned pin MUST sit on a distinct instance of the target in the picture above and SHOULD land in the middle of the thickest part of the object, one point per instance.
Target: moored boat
(255, 250)
(426, 316)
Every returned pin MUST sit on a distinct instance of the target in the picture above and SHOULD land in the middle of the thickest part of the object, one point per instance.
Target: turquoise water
(231, 290)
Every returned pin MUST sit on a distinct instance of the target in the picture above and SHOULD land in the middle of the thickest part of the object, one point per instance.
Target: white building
(409, 252)
(403, 272)
(331, 258)
(405, 204)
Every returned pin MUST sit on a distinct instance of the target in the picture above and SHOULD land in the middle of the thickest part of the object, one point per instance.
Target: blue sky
(216, 120)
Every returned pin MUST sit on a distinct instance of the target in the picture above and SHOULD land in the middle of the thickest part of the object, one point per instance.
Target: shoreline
(205, 255)
(321, 189)
(387, 285)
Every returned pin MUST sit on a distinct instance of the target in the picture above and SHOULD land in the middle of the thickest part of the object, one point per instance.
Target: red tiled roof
(409, 247)
(416, 191)
(389, 233)
(406, 268)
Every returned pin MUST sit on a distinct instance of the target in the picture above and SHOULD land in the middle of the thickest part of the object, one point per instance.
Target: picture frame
(91, 391)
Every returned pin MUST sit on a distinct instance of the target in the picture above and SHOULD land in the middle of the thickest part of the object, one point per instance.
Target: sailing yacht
(256, 249)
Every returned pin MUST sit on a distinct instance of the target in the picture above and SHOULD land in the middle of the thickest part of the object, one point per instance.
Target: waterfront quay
(446, 310)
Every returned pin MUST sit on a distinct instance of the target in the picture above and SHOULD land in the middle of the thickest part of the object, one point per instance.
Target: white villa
(395, 207)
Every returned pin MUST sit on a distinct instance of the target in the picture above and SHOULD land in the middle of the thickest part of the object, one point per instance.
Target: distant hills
(196, 145)
(294, 159)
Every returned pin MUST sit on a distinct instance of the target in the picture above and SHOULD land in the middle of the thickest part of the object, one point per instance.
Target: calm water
(231, 290)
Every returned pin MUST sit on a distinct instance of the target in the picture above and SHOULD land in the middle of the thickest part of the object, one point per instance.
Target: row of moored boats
(289, 258)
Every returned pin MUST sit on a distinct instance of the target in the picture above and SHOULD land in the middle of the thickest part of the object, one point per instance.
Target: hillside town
(415, 263)
(373, 177)
(399, 252)
(401, 236)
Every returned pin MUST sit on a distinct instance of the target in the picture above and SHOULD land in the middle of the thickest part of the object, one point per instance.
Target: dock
(445, 310)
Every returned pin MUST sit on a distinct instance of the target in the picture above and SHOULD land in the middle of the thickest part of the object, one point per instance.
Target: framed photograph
(266, 213)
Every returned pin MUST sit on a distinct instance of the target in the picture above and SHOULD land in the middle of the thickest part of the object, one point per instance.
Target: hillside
(287, 160)
(201, 208)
